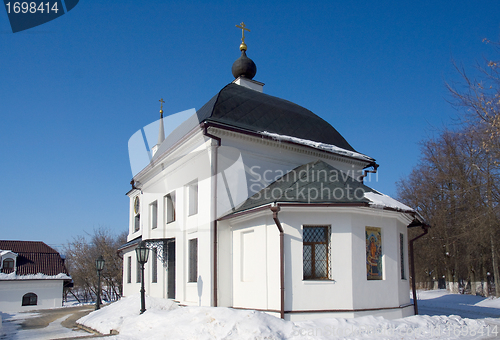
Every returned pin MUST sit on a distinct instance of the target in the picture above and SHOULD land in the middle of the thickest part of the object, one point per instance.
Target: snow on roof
(318, 145)
(379, 200)
(5, 252)
(39, 276)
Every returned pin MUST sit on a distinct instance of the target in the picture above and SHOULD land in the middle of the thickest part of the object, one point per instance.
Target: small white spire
(161, 134)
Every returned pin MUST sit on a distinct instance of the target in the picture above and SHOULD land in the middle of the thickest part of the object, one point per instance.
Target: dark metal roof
(312, 183)
(238, 106)
(27, 247)
(35, 257)
(130, 243)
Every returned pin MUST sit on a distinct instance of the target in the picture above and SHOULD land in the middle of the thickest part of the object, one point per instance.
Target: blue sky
(74, 90)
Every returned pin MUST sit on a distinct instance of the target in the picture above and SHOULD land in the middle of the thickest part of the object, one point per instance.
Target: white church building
(255, 202)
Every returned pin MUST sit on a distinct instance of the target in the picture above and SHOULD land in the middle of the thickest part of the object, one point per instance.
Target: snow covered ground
(447, 316)
(10, 328)
(440, 302)
(164, 320)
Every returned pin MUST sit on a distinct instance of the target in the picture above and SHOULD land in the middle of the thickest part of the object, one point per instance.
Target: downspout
(425, 227)
(275, 210)
(214, 207)
(366, 172)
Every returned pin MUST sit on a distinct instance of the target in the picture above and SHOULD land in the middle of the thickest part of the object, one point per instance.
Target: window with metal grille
(129, 269)
(30, 299)
(193, 260)
(154, 266)
(170, 207)
(316, 253)
(402, 255)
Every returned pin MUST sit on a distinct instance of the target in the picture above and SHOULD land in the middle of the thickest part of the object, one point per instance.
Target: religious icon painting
(373, 253)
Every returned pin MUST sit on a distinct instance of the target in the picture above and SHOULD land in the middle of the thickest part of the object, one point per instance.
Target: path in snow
(45, 324)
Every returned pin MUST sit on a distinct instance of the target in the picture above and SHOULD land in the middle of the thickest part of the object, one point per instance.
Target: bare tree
(479, 99)
(81, 254)
(447, 188)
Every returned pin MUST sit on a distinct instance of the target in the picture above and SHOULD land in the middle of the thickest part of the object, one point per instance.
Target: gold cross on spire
(161, 108)
(243, 46)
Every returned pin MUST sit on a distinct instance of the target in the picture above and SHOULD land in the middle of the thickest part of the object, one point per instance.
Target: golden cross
(161, 101)
(243, 29)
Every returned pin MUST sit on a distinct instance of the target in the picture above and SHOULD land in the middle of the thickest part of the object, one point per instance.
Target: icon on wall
(373, 253)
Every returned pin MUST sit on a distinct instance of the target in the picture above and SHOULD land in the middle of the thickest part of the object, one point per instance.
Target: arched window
(8, 264)
(30, 299)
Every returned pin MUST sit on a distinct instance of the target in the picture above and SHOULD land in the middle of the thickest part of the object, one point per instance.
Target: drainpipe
(214, 207)
(275, 210)
(425, 227)
(366, 172)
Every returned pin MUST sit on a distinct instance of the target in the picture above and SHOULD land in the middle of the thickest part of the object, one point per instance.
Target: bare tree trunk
(491, 219)
(472, 275)
(495, 267)
(456, 283)
(484, 278)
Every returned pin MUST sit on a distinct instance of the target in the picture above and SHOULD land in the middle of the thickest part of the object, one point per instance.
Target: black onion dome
(244, 67)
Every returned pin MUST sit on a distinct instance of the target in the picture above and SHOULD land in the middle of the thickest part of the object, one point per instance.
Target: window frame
(402, 255)
(29, 299)
(153, 213)
(169, 207)
(129, 269)
(137, 223)
(138, 269)
(193, 198)
(10, 261)
(137, 213)
(193, 260)
(154, 265)
(328, 254)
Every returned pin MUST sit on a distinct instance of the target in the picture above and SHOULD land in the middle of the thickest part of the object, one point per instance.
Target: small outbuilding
(32, 276)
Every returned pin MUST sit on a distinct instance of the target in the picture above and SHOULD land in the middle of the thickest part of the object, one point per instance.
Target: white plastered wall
(49, 294)
(391, 291)
(193, 166)
(349, 293)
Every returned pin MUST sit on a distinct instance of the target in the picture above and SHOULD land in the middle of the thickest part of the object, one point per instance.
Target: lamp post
(142, 253)
(99, 265)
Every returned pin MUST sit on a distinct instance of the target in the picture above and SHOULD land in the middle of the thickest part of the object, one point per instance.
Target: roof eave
(290, 204)
(209, 123)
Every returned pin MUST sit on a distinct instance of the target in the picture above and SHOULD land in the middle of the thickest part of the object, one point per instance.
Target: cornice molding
(285, 145)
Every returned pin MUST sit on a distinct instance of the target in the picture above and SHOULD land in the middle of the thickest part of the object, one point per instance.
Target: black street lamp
(142, 253)
(99, 265)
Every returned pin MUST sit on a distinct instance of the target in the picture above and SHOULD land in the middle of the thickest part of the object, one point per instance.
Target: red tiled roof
(35, 257)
